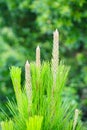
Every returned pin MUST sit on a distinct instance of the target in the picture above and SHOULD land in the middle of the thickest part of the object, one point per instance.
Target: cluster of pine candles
(40, 104)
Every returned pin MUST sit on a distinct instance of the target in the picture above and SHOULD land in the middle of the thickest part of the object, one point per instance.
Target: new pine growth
(28, 84)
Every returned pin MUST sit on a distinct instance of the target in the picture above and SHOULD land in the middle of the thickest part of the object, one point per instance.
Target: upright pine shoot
(75, 119)
(38, 62)
(55, 56)
(28, 85)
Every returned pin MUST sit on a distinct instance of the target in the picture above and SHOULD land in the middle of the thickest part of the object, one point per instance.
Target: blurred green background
(24, 24)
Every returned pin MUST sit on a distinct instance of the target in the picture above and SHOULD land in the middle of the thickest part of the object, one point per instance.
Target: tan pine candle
(75, 118)
(28, 84)
(38, 62)
(55, 55)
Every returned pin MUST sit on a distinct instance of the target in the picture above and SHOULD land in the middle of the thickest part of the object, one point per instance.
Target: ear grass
(41, 105)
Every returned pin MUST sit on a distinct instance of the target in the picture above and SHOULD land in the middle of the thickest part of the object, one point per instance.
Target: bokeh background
(24, 24)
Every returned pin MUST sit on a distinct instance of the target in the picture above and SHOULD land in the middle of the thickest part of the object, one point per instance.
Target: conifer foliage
(40, 104)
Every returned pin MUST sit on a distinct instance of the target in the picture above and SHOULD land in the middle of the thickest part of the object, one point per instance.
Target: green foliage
(49, 109)
(7, 125)
(34, 123)
(26, 23)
